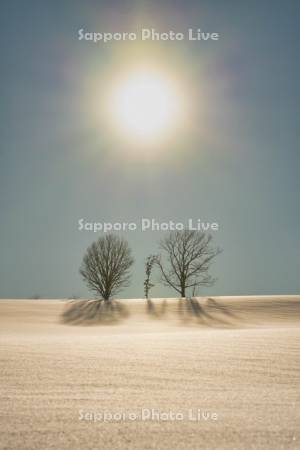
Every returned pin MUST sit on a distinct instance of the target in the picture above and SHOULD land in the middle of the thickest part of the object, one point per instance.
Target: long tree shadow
(210, 314)
(215, 306)
(93, 312)
(156, 311)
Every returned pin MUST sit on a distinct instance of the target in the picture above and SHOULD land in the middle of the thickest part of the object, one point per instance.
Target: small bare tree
(150, 261)
(188, 256)
(106, 266)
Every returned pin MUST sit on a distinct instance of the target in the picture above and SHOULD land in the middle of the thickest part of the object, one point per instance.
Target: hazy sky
(238, 166)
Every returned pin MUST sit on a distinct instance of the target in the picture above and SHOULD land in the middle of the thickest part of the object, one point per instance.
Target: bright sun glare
(145, 105)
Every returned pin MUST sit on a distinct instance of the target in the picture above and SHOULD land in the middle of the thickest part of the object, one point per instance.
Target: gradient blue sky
(241, 169)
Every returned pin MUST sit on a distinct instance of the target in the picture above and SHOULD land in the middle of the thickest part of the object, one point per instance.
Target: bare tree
(150, 261)
(106, 266)
(188, 256)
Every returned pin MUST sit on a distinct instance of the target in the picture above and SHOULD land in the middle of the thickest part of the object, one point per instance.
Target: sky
(235, 163)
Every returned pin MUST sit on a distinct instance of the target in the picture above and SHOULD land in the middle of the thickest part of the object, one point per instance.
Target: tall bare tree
(150, 261)
(106, 266)
(187, 256)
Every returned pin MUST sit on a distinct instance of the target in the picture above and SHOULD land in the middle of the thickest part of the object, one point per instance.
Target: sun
(145, 105)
